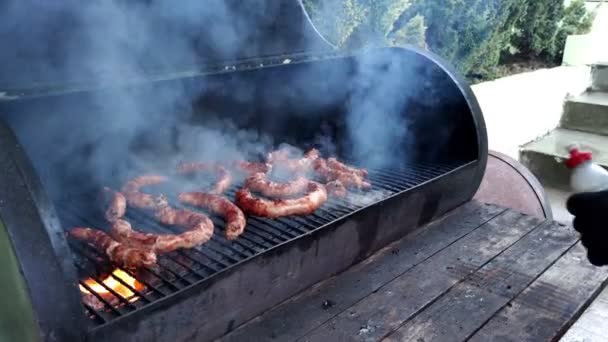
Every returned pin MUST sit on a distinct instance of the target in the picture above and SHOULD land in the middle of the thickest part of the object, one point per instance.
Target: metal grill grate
(180, 269)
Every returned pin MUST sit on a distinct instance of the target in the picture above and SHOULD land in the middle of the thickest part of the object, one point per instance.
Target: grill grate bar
(106, 304)
(272, 231)
(131, 288)
(413, 177)
(187, 261)
(383, 183)
(341, 206)
(87, 254)
(244, 243)
(195, 254)
(110, 290)
(94, 314)
(292, 221)
(379, 182)
(157, 274)
(165, 264)
(182, 268)
(258, 237)
(395, 181)
(202, 259)
(228, 246)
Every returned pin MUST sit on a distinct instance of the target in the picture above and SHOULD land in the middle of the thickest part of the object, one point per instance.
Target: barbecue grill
(66, 135)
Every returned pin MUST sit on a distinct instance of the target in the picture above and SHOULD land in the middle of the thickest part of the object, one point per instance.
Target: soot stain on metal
(367, 231)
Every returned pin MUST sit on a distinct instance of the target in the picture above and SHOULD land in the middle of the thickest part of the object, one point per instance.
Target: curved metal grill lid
(68, 43)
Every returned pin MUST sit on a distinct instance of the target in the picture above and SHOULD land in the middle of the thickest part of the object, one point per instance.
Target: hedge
(475, 35)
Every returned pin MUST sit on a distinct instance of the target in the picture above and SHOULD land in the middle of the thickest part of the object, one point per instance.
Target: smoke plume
(129, 128)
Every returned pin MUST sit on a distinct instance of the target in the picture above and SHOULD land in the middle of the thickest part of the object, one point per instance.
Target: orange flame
(112, 283)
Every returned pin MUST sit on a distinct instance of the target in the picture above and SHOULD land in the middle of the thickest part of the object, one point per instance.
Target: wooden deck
(482, 273)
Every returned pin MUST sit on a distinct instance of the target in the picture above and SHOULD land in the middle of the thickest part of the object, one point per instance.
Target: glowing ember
(113, 283)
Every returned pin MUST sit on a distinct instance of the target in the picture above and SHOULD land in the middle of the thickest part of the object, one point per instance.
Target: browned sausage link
(124, 233)
(260, 183)
(333, 163)
(336, 189)
(251, 168)
(224, 179)
(348, 179)
(117, 204)
(234, 217)
(280, 158)
(200, 228)
(119, 253)
(315, 197)
(132, 193)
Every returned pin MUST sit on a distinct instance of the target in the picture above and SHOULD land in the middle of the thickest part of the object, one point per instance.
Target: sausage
(315, 197)
(119, 253)
(224, 179)
(336, 189)
(234, 217)
(280, 159)
(333, 163)
(123, 232)
(200, 227)
(251, 168)
(260, 183)
(347, 179)
(134, 197)
(200, 230)
(117, 204)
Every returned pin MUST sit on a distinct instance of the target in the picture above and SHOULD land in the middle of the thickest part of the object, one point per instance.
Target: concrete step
(545, 156)
(599, 77)
(587, 112)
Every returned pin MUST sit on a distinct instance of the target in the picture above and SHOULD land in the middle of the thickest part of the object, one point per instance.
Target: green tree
(474, 35)
(576, 20)
(361, 23)
(335, 19)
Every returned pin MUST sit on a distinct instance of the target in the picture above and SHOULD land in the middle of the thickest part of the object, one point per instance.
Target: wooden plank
(545, 310)
(384, 311)
(306, 311)
(594, 318)
(468, 305)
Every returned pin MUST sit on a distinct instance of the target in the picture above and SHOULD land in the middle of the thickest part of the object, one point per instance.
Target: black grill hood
(65, 44)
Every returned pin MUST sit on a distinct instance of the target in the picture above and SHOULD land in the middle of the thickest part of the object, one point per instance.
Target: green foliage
(410, 33)
(475, 35)
(547, 24)
(360, 23)
(483, 59)
(576, 20)
(538, 28)
(336, 19)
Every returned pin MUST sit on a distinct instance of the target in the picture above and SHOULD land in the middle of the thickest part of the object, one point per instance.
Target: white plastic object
(586, 175)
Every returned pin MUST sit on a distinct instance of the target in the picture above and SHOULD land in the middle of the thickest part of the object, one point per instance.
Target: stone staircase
(584, 121)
